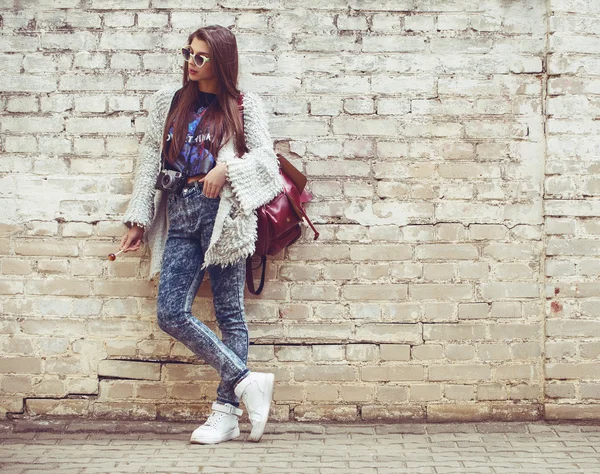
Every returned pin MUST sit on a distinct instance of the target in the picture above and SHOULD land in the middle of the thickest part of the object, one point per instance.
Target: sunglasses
(198, 59)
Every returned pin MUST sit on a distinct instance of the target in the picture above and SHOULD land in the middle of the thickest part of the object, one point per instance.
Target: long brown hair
(222, 118)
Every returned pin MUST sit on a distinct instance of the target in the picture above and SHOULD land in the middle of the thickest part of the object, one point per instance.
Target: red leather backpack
(279, 221)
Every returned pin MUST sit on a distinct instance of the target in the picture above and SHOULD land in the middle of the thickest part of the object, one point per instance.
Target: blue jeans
(191, 221)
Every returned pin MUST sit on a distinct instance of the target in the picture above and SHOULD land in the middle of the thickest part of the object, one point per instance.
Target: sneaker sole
(228, 436)
(259, 428)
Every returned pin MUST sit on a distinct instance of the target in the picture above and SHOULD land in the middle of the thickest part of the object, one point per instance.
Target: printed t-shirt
(194, 155)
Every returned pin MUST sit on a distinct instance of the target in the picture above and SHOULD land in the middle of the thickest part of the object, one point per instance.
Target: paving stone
(302, 448)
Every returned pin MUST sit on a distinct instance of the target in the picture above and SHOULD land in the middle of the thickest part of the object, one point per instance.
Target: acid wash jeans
(191, 221)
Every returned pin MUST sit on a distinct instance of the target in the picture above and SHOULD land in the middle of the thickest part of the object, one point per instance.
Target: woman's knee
(235, 320)
(168, 318)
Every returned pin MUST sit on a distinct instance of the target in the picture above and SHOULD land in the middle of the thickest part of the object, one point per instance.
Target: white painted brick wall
(450, 148)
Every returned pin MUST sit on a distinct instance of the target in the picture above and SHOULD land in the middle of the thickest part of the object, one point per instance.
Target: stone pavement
(78, 446)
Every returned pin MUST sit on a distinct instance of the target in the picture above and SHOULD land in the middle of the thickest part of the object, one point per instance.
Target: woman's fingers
(127, 245)
(131, 241)
(123, 240)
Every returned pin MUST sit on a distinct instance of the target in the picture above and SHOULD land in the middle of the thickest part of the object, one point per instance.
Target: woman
(228, 169)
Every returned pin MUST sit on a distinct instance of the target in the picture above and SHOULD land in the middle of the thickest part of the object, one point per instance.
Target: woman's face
(204, 73)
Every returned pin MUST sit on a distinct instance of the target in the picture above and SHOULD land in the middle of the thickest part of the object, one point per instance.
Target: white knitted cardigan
(252, 180)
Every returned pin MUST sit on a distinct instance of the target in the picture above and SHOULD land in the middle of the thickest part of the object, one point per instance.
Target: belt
(191, 181)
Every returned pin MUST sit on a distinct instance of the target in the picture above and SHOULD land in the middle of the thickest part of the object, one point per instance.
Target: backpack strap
(250, 275)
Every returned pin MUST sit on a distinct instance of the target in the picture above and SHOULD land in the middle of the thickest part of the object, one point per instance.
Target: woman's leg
(180, 278)
(228, 296)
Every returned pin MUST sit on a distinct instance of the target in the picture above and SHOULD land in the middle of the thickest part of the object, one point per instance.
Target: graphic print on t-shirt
(195, 154)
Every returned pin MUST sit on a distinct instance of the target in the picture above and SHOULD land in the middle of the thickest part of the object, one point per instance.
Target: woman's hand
(214, 180)
(132, 240)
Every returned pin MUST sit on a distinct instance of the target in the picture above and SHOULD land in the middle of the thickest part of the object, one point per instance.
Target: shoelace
(214, 418)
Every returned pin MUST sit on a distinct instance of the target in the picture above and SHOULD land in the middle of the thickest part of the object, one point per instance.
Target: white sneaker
(256, 390)
(221, 425)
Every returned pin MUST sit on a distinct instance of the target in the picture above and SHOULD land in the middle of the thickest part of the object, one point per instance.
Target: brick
(123, 288)
(130, 410)
(426, 352)
(58, 286)
(338, 271)
(572, 412)
(555, 328)
(115, 125)
(15, 266)
(491, 392)
(293, 353)
(392, 394)
(288, 393)
(380, 252)
(450, 332)
(460, 372)
(363, 126)
(395, 44)
(514, 331)
(315, 292)
(590, 350)
(129, 369)
(463, 412)
(356, 393)
(52, 266)
(115, 389)
(526, 350)
(561, 349)
(441, 291)
(398, 352)
(17, 384)
(425, 392)
(320, 331)
(294, 311)
(339, 413)
(361, 352)
(20, 365)
(325, 393)
(11, 404)
(460, 352)
(459, 392)
(375, 292)
(57, 407)
(560, 390)
(398, 413)
(328, 352)
(572, 370)
(46, 247)
(386, 22)
(32, 124)
(515, 372)
(90, 104)
(325, 373)
(493, 352)
(337, 168)
(389, 333)
(132, 61)
(129, 41)
(151, 391)
(374, 373)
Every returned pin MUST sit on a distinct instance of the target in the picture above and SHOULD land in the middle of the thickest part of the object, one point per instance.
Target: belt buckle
(188, 187)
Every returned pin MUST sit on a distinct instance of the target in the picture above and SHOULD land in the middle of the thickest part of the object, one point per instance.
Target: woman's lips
(192, 72)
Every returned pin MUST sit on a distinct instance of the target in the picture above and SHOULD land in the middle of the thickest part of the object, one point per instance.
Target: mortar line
(543, 196)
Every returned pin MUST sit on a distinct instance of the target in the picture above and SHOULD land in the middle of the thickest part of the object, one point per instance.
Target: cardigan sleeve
(255, 178)
(141, 204)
